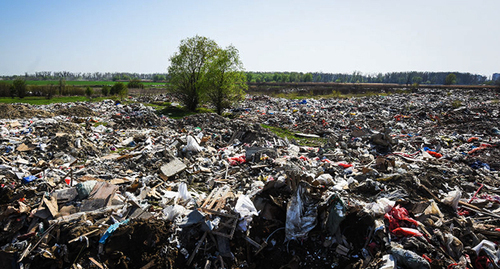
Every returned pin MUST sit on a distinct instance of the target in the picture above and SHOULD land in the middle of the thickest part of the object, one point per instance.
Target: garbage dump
(396, 181)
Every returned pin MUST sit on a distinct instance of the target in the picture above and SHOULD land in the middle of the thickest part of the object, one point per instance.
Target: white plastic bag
(490, 249)
(192, 145)
(381, 206)
(183, 193)
(171, 212)
(452, 198)
(325, 179)
(246, 209)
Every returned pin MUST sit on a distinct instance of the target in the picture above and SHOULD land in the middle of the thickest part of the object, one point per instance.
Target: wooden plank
(51, 205)
(96, 263)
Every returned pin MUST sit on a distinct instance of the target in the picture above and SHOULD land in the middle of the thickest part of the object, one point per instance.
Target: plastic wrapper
(111, 230)
(301, 214)
(396, 217)
(406, 232)
(452, 198)
(433, 209)
(183, 193)
(192, 145)
(84, 188)
(325, 179)
(246, 209)
(380, 207)
(389, 262)
(337, 213)
(236, 160)
(409, 259)
(172, 212)
(490, 249)
(345, 165)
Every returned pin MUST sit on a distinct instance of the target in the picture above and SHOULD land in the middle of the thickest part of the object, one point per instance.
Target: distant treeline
(96, 76)
(355, 77)
(407, 78)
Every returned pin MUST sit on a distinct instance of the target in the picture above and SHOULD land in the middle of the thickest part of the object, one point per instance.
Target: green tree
(135, 84)
(158, 78)
(225, 79)
(19, 86)
(118, 88)
(450, 79)
(105, 90)
(417, 80)
(89, 92)
(249, 77)
(51, 90)
(276, 77)
(5, 88)
(123, 91)
(308, 77)
(62, 86)
(188, 67)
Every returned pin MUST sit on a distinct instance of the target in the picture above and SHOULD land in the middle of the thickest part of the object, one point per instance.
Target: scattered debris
(397, 181)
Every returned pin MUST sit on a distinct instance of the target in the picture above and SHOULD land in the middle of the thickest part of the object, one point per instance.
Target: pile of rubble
(401, 181)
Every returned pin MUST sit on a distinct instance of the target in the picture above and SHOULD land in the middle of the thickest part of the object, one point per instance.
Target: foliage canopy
(203, 71)
(450, 79)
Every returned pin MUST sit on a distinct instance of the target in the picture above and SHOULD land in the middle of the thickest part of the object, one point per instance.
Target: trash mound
(235, 130)
(399, 181)
(78, 147)
(77, 111)
(144, 120)
(8, 111)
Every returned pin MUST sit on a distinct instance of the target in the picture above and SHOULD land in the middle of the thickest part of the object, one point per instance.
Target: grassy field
(87, 83)
(44, 101)
(304, 141)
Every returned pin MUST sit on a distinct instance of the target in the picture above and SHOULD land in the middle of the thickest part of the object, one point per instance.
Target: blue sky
(305, 36)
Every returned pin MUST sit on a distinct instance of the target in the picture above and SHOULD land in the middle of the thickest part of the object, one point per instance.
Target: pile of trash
(400, 181)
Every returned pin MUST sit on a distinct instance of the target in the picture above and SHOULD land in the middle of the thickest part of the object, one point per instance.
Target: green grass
(100, 123)
(178, 112)
(303, 141)
(44, 101)
(456, 103)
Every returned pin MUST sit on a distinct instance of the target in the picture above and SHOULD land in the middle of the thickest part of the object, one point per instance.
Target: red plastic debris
(403, 231)
(427, 258)
(397, 215)
(345, 165)
(236, 160)
(472, 139)
(435, 154)
(476, 149)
